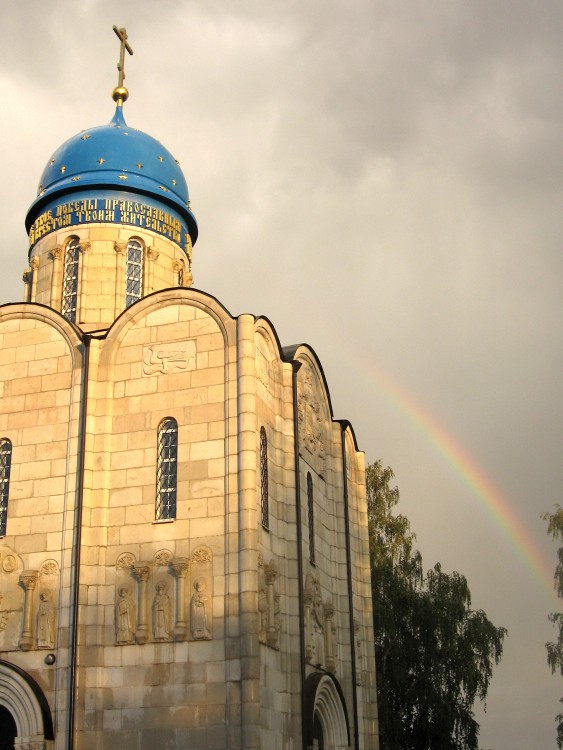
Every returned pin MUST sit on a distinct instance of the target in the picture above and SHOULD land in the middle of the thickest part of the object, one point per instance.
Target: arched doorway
(24, 711)
(326, 720)
(8, 729)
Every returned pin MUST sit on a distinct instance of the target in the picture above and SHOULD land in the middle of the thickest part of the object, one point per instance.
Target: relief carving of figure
(124, 621)
(45, 621)
(263, 615)
(198, 613)
(161, 613)
(314, 621)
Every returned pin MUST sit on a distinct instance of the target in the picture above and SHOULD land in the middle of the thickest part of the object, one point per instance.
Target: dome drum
(107, 206)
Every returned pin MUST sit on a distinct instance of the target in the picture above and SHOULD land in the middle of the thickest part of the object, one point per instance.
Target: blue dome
(115, 157)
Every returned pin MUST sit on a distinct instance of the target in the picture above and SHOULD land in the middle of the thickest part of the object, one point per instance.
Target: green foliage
(434, 655)
(555, 649)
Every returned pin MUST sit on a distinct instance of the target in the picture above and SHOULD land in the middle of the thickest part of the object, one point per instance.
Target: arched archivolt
(24, 699)
(326, 709)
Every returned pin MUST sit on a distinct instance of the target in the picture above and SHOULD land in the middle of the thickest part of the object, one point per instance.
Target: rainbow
(488, 495)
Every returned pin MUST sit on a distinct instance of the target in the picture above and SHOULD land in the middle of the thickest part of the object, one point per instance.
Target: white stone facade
(244, 621)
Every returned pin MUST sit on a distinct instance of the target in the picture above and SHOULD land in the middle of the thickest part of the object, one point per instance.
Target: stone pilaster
(28, 581)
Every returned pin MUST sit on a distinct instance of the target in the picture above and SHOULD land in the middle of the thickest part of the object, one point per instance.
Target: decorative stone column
(152, 257)
(27, 279)
(85, 248)
(28, 580)
(120, 247)
(34, 264)
(180, 567)
(56, 277)
(142, 571)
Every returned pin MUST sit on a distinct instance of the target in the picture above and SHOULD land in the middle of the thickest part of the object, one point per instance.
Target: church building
(184, 558)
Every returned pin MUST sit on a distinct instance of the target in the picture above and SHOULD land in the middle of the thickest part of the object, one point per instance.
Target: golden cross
(122, 34)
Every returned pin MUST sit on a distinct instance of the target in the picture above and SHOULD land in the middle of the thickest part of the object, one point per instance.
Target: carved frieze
(165, 599)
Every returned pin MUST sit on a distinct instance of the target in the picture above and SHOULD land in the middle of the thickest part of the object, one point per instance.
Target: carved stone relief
(201, 580)
(178, 356)
(151, 602)
(124, 616)
(46, 627)
(320, 630)
(269, 604)
(311, 423)
(162, 629)
(11, 599)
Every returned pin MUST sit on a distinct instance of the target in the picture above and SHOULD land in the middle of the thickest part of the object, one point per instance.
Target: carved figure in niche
(314, 621)
(161, 613)
(198, 613)
(124, 628)
(263, 614)
(45, 621)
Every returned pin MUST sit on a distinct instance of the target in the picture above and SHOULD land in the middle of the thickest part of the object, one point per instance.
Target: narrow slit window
(167, 469)
(134, 272)
(70, 280)
(265, 513)
(5, 466)
(311, 517)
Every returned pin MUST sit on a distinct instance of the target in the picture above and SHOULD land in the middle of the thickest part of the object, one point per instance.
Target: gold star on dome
(177, 162)
(122, 177)
(174, 183)
(163, 188)
(161, 158)
(63, 169)
(39, 189)
(101, 160)
(85, 137)
(125, 133)
(75, 179)
(139, 165)
(52, 162)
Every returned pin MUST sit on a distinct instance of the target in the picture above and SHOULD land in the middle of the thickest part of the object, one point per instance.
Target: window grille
(5, 465)
(180, 276)
(264, 478)
(167, 469)
(311, 517)
(134, 272)
(70, 280)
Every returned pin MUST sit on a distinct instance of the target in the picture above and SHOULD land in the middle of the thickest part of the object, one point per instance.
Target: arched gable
(156, 310)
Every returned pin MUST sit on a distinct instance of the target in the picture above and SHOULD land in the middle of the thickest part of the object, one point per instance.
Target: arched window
(5, 465)
(311, 517)
(167, 469)
(264, 478)
(70, 279)
(134, 272)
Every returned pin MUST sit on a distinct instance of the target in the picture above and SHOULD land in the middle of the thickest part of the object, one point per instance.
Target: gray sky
(382, 179)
